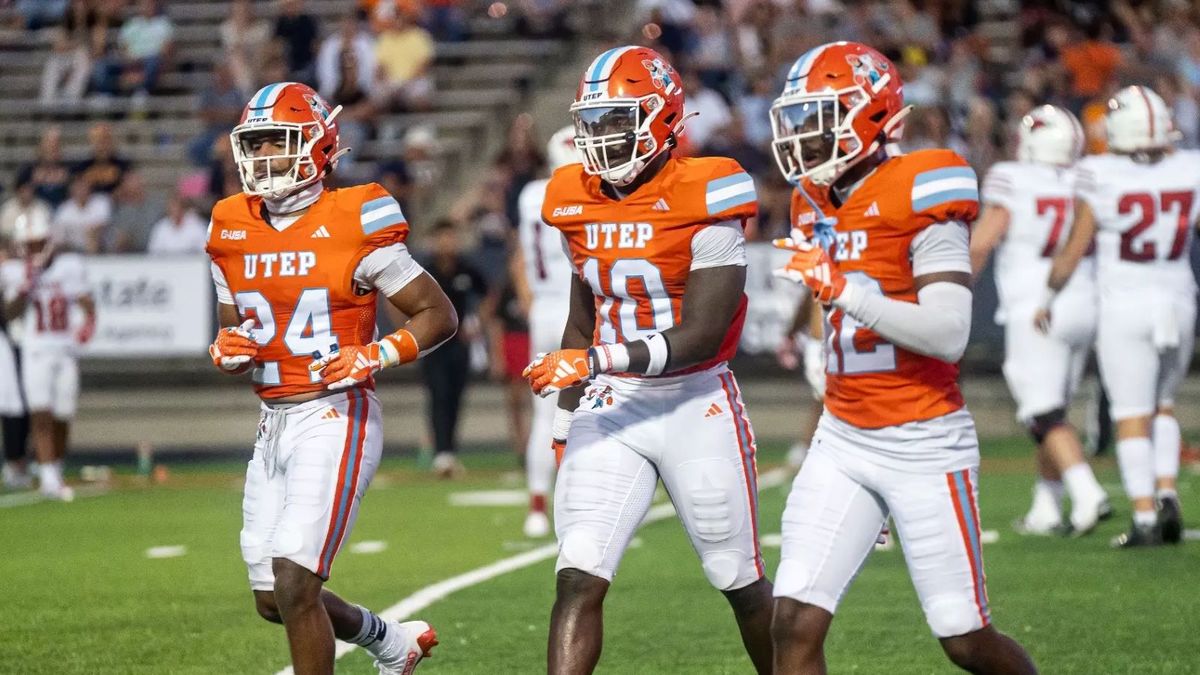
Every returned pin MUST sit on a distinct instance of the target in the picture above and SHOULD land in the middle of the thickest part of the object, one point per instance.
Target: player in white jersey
(1028, 206)
(1139, 201)
(542, 276)
(41, 290)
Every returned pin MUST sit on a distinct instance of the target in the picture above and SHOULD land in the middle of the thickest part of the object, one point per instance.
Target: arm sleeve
(718, 245)
(388, 269)
(939, 323)
(942, 247)
(222, 287)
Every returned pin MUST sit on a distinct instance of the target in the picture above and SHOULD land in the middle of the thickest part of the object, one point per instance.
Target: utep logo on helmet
(867, 72)
(660, 74)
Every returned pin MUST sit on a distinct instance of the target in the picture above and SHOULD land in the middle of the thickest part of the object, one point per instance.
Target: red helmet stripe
(1149, 109)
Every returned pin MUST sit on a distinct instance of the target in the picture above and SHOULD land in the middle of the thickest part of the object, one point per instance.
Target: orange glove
(810, 265)
(342, 368)
(234, 349)
(558, 370)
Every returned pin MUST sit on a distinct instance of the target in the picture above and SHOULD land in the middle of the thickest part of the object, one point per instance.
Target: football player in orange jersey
(656, 309)
(883, 246)
(297, 270)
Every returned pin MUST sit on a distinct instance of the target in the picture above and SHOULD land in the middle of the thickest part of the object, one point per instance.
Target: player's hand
(558, 370)
(559, 446)
(1041, 320)
(786, 353)
(234, 348)
(810, 265)
(347, 366)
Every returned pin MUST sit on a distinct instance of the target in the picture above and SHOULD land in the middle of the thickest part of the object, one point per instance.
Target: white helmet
(1049, 135)
(1138, 120)
(31, 225)
(561, 150)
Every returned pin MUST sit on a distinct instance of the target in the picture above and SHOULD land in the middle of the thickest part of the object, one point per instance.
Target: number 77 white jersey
(1144, 215)
(1039, 202)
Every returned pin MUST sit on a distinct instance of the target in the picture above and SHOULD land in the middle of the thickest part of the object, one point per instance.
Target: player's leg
(830, 525)
(707, 464)
(938, 521)
(14, 422)
(516, 390)
(603, 491)
(39, 370)
(1129, 365)
(66, 400)
(1167, 439)
(539, 464)
(330, 449)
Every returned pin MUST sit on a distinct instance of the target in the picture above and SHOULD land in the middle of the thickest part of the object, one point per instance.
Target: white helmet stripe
(802, 66)
(266, 97)
(601, 69)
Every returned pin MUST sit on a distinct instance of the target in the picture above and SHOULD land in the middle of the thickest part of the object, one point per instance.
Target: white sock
(1167, 441)
(372, 631)
(1135, 456)
(1048, 494)
(1145, 518)
(1081, 482)
(50, 477)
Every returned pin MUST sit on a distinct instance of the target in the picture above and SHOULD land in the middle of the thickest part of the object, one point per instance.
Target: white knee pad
(578, 550)
(952, 614)
(722, 568)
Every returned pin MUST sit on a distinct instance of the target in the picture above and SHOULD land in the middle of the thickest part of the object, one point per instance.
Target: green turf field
(79, 594)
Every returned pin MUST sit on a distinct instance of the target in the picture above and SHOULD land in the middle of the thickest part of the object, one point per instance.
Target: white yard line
(28, 497)
(431, 594)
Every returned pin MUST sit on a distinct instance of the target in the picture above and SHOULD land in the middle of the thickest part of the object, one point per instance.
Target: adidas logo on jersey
(331, 414)
(321, 233)
(872, 210)
(660, 205)
(713, 410)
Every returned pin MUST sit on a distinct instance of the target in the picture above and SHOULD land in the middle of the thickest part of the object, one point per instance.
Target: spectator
(393, 175)
(713, 113)
(405, 53)
(539, 19)
(712, 56)
(243, 37)
(754, 158)
(755, 109)
(1091, 63)
(79, 221)
(446, 20)
(298, 32)
(350, 38)
(222, 109)
(357, 111)
(48, 173)
(38, 14)
(179, 232)
(421, 151)
(105, 168)
(65, 75)
(144, 44)
(23, 202)
(445, 370)
(134, 214)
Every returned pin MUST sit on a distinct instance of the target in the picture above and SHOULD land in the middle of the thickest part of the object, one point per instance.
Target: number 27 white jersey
(1039, 201)
(1144, 216)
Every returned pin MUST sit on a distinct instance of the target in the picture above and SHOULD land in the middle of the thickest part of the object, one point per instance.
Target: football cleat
(537, 525)
(1170, 519)
(63, 493)
(447, 465)
(1139, 536)
(405, 644)
(1085, 515)
(1040, 522)
(15, 478)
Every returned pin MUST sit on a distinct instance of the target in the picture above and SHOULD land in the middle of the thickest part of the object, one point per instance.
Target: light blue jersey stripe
(376, 204)
(939, 198)
(976, 553)
(947, 172)
(348, 487)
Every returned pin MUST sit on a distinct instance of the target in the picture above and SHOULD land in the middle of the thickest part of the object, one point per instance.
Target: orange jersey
(298, 283)
(870, 382)
(636, 253)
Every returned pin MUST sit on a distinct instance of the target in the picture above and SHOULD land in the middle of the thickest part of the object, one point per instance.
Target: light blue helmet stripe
(596, 72)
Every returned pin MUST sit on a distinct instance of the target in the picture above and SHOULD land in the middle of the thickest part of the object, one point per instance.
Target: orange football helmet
(627, 110)
(295, 118)
(841, 102)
